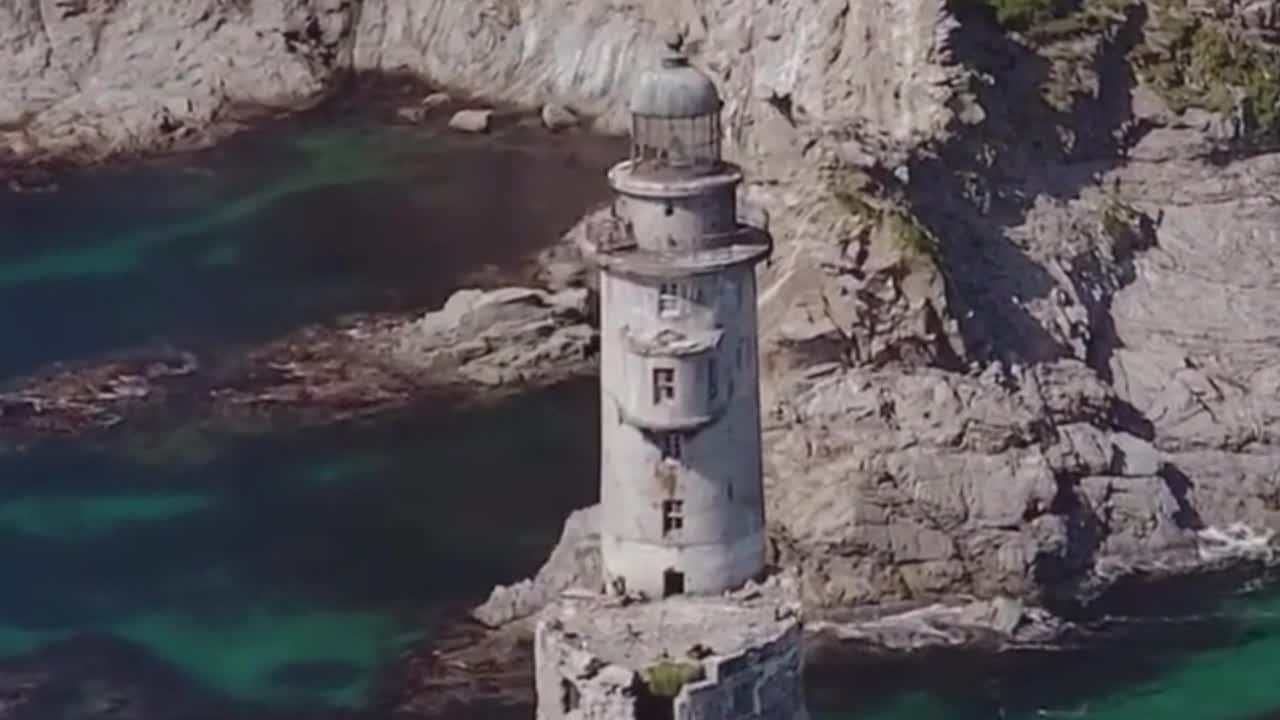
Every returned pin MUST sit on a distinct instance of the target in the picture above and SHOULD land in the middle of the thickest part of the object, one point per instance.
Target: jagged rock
(575, 562)
(435, 100)
(413, 115)
(1133, 456)
(558, 117)
(505, 336)
(120, 77)
(472, 121)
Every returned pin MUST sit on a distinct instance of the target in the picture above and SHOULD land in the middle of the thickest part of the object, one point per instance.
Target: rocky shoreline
(481, 342)
(1016, 338)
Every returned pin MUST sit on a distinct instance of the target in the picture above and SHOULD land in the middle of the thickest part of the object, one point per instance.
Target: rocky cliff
(1017, 334)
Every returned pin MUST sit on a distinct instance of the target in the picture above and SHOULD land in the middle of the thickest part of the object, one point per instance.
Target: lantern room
(675, 117)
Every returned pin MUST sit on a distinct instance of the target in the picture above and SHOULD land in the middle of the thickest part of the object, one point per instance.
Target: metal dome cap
(675, 89)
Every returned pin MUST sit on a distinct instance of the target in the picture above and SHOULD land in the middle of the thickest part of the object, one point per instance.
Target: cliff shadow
(976, 194)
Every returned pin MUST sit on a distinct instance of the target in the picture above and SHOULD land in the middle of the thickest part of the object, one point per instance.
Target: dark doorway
(672, 583)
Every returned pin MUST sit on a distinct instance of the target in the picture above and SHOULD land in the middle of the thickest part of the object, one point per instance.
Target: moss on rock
(912, 237)
(1196, 63)
(666, 677)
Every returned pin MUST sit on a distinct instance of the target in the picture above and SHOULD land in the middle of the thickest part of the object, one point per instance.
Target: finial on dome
(674, 40)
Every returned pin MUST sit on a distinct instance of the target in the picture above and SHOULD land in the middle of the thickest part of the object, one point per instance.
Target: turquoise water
(1216, 664)
(295, 223)
(311, 555)
(284, 570)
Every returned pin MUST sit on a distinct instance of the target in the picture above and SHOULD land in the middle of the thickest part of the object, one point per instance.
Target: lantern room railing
(675, 143)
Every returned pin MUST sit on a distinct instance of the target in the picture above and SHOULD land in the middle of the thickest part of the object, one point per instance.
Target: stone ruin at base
(730, 657)
(681, 629)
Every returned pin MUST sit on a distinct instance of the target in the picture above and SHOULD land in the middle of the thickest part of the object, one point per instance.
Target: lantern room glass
(676, 143)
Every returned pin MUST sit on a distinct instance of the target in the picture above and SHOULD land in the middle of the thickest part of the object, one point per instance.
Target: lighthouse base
(732, 657)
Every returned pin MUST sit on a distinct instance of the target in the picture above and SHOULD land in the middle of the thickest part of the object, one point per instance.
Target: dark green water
(285, 569)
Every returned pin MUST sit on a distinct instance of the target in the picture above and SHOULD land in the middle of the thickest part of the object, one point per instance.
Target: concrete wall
(571, 684)
(718, 474)
(763, 682)
(680, 222)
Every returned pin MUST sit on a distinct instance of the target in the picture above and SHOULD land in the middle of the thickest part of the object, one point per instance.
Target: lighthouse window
(570, 698)
(742, 351)
(672, 515)
(672, 445)
(664, 384)
(668, 300)
(713, 382)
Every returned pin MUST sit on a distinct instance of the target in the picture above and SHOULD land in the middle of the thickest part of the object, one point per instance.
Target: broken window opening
(664, 385)
(672, 583)
(672, 445)
(668, 300)
(570, 697)
(672, 516)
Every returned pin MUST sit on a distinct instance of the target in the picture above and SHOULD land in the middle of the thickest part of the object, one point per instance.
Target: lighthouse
(682, 526)
(680, 475)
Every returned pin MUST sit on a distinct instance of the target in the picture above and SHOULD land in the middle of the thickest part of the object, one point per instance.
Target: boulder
(471, 121)
(558, 117)
(435, 100)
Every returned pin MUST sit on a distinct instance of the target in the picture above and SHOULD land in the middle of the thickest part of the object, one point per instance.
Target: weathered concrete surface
(1016, 333)
(742, 653)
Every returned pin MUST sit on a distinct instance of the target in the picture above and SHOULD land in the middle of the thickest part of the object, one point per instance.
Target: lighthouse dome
(675, 89)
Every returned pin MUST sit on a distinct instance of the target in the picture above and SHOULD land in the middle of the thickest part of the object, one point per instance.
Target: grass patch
(899, 226)
(912, 237)
(666, 677)
(1192, 63)
(1023, 14)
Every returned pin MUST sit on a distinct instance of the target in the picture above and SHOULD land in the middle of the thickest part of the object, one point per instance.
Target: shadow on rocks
(984, 181)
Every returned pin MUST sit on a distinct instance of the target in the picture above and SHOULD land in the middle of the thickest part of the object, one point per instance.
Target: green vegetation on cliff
(1193, 63)
(1024, 14)
(902, 228)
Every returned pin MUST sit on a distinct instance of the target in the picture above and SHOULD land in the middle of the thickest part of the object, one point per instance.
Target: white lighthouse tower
(683, 505)
(682, 519)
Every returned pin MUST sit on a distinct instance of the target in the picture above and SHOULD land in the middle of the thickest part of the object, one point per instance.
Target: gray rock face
(558, 117)
(472, 121)
(503, 337)
(1018, 330)
(575, 563)
(101, 78)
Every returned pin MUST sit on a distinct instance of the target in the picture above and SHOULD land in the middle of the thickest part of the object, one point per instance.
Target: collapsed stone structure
(732, 657)
(682, 519)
